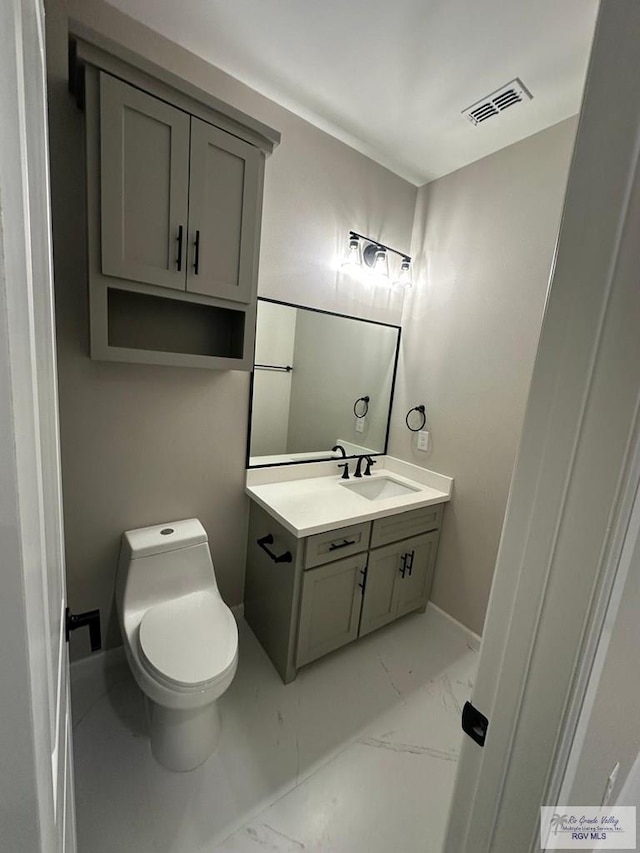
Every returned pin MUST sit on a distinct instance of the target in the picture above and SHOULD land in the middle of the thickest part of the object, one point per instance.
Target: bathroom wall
(144, 444)
(483, 245)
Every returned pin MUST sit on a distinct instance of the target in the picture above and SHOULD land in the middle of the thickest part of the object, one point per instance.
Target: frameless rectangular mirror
(319, 379)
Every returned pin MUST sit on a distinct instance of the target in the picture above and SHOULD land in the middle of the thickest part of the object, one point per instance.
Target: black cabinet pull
(407, 563)
(277, 558)
(410, 563)
(362, 585)
(403, 567)
(335, 546)
(179, 239)
(196, 260)
(91, 620)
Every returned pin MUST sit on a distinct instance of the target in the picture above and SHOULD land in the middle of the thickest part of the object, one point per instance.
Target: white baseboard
(474, 639)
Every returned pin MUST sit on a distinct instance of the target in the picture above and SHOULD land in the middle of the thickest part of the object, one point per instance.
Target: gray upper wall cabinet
(178, 196)
(174, 202)
(144, 183)
(223, 187)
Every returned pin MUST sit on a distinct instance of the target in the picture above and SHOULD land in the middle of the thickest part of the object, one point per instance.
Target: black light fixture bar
(403, 255)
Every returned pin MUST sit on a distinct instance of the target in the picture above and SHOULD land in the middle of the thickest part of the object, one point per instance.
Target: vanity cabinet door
(144, 169)
(398, 580)
(419, 559)
(330, 607)
(380, 601)
(224, 192)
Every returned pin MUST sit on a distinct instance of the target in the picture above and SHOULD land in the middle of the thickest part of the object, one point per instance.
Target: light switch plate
(359, 424)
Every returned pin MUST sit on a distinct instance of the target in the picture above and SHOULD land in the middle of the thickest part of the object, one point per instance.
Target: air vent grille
(506, 96)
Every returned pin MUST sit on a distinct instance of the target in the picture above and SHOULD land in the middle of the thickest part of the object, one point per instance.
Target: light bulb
(380, 266)
(353, 258)
(404, 279)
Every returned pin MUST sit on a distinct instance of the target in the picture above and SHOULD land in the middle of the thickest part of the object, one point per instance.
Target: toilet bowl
(180, 638)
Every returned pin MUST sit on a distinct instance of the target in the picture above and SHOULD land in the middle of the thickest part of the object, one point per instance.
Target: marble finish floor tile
(357, 754)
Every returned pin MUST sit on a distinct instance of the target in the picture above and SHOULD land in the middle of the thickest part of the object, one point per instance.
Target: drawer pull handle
(345, 542)
(277, 558)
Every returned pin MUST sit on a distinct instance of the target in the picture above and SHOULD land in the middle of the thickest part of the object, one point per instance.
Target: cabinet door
(380, 601)
(330, 607)
(420, 560)
(224, 212)
(144, 181)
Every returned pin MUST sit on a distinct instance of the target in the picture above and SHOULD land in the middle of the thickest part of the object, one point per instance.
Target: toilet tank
(161, 562)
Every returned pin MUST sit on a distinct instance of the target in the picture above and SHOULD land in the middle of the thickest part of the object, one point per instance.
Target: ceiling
(389, 79)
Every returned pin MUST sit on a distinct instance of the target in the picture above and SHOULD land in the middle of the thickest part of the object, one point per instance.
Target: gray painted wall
(145, 444)
(483, 245)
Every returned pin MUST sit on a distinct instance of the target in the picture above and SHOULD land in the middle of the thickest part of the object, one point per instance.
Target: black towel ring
(422, 411)
(364, 400)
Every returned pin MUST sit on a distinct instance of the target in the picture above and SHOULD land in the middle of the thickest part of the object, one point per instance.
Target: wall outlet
(423, 440)
(359, 424)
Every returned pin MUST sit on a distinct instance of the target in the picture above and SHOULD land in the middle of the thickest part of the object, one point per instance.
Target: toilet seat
(189, 642)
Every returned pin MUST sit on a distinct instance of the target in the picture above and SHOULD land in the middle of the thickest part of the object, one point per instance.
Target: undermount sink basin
(380, 488)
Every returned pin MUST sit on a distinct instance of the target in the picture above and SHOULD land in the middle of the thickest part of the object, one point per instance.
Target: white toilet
(180, 638)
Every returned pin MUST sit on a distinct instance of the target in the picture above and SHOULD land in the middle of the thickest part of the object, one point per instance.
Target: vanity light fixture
(364, 252)
(380, 263)
(404, 279)
(353, 258)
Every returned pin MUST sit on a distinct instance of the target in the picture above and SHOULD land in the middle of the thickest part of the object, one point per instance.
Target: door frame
(575, 477)
(36, 783)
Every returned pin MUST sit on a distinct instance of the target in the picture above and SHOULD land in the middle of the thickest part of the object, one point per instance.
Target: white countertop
(308, 499)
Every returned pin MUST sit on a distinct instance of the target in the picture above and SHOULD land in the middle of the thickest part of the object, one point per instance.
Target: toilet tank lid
(145, 541)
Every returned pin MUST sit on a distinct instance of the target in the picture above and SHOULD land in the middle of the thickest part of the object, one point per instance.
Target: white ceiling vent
(492, 105)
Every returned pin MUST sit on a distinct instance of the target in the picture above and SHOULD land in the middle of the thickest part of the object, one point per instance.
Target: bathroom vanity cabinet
(174, 200)
(305, 597)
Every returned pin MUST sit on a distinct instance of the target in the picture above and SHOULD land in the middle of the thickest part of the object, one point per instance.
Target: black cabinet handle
(403, 567)
(410, 564)
(335, 546)
(91, 620)
(196, 260)
(179, 239)
(277, 558)
(362, 585)
(407, 563)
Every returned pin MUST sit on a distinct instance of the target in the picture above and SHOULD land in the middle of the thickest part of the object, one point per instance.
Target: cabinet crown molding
(89, 47)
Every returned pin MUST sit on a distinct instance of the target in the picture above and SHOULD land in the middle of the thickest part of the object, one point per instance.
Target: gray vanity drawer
(336, 544)
(396, 527)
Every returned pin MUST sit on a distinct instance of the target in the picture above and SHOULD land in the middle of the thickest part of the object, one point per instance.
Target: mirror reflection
(320, 379)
